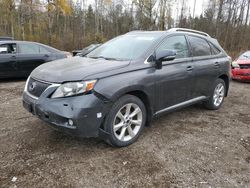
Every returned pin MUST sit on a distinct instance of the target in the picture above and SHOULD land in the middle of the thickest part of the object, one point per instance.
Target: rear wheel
(125, 121)
(217, 97)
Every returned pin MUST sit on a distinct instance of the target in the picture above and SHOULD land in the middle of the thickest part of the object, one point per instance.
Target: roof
(15, 41)
(18, 41)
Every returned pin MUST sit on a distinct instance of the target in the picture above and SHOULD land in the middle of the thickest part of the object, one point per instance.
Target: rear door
(29, 57)
(175, 80)
(206, 63)
(8, 67)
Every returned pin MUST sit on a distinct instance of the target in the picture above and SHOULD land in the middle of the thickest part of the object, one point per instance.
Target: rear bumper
(241, 74)
(80, 116)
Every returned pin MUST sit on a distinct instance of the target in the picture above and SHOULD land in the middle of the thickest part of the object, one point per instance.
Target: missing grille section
(36, 88)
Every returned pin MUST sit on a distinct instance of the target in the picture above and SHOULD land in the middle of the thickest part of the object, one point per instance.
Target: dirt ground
(193, 147)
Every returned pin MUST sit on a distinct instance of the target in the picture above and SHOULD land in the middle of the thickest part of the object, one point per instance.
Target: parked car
(68, 54)
(117, 89)
(241, 67)
(6, 38)
(85, 50)
(20, 58)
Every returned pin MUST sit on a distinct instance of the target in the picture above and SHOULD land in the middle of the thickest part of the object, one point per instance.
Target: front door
(8, 67)
(174, 82)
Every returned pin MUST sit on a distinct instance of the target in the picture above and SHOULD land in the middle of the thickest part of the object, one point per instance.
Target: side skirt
(180, 105)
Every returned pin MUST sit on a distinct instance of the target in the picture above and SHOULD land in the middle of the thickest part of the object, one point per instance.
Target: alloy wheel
(219, 94)
(127, 122)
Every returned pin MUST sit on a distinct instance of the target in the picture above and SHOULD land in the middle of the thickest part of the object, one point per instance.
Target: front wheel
(125, 121)
(217, 98)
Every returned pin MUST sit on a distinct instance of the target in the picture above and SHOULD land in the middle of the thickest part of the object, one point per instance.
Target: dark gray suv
(118, 88)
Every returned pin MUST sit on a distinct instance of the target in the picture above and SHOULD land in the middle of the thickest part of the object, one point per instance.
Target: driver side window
(176, 43)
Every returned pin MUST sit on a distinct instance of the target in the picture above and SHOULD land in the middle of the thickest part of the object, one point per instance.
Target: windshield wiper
(106, 58)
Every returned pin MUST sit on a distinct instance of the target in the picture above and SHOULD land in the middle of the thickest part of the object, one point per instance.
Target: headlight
(235, 64)
(73, 88)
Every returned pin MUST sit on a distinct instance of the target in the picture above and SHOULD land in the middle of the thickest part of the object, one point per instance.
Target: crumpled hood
(74, 69)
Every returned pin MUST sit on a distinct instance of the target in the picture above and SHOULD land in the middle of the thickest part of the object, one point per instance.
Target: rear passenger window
(176, 43)
(28, 48)
(200, 47)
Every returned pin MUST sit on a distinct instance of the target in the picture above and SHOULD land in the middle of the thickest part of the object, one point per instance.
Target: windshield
(245, 56)
(125, 47)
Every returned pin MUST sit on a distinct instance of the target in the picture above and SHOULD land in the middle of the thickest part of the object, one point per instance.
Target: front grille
(244, 74)
(36, 88)
(245, 66)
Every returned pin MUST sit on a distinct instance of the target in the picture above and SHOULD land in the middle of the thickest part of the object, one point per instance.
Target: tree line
(73, 24)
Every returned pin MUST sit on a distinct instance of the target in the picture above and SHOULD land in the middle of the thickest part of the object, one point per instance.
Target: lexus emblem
(32, 86)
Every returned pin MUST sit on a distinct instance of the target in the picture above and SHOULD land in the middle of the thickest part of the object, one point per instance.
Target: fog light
(71, 123)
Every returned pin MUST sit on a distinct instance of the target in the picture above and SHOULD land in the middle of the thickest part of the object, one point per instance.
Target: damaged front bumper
(80, 116)
(241, 74)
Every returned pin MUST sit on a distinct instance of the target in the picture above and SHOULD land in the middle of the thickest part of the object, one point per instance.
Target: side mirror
(163, 55)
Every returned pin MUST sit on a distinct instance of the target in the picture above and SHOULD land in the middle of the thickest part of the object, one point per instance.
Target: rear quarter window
(199, 46)
(214, 49)
(43, 50)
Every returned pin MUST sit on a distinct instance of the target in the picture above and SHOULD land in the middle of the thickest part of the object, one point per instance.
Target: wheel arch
(145, 99)
(141, 94)
(226, 79)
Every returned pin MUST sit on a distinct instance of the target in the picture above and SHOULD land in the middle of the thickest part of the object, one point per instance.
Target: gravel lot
(193, 147)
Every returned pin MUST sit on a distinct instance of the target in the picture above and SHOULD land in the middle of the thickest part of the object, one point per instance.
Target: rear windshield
(245, 56)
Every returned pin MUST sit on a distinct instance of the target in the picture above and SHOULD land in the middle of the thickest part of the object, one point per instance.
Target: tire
(217, 97)
(125, 121)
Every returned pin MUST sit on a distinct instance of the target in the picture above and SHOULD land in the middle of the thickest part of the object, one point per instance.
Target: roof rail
(189, 30)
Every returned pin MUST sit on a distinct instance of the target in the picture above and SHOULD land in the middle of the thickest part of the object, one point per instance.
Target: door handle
(217, 64)
(46, 55)
(190, 68)
(13, 56)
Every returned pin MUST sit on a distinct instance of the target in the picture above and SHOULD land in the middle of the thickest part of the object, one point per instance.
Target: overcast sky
(200, 5)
